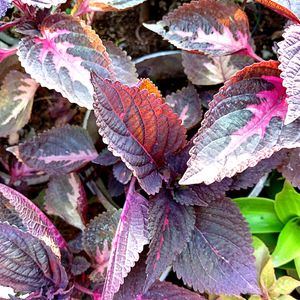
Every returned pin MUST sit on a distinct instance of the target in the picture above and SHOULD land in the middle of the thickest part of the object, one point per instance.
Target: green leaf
(261, 254)
(287, 203)
(260, 214)
(288, 244)
(297, 265)
(285, 285)
(267, 276)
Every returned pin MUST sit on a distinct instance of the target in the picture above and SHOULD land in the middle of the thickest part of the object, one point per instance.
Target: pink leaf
(53, 153)
(63, 56)
(65, 197)
(289, 56)
(244, 124)
(139, 127)
(112, 5)
(131, 236)
(32, 218)
(206, 26)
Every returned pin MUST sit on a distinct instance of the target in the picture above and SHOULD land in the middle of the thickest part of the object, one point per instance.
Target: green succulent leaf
(288, 244)
(260, 214)
(287, 203)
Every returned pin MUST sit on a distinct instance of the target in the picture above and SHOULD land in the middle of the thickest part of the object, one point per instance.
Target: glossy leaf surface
(244, 124)
(65, 197)
(63, 57)
(206, 26)
(170, 226)
(52, 152)
(289, 58)
(287, 203)
(260, 214)
(218, 258)
(288, 244)
(131, 236)
(139, 128)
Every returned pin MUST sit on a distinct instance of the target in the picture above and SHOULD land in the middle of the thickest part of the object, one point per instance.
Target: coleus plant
(176, 208)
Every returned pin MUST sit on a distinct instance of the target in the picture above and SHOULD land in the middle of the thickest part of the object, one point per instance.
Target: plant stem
(85, 290)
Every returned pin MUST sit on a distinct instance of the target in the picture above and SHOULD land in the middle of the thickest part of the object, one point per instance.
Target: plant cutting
(151, 192)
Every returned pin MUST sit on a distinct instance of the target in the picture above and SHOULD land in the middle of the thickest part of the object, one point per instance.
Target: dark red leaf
(170, 225)
(139, 127)
(287, 8)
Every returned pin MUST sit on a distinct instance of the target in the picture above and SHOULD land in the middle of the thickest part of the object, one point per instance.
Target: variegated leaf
(57, 151)
(63, 56)
(131, 236)
(289, 55)
(187, 105)
(30, 217)
(43, 3)
(130, 121)
(65, 197)
(206, 26)
(287, 8)
(244, 124)
(209, 70)
(16, 99)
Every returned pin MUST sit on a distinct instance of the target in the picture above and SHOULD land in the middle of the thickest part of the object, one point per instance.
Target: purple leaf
(219, 257)
(289, 56)
(131, 236)
(66, 198)
(187, 105)
(55, 154)
(33, 219)
(287, 8)
(27, 264)
(206, 26)
(244, 124)
(169, 291)
(4, 5)
(105, 158)
(209, 70)
(121, 172)
(43, 3)
(17, 92)
(79, 265)
(170, 226)
(62, 57)
(290, 170)
(202, 194)
(130, 121)
(122, 65)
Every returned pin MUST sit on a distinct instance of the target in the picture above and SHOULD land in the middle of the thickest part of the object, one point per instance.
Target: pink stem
(4, 53)
(87, 291)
